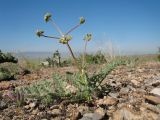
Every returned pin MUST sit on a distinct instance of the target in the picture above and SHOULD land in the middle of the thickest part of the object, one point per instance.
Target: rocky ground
(134, 95)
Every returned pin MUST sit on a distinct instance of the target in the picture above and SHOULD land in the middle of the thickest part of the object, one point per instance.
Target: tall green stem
(84, 54)
(74, 58)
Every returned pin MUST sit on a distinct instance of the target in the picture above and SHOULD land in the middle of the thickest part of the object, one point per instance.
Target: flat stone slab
(155, 91)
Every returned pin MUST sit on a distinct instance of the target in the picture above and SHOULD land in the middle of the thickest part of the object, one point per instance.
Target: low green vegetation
(30, 64)
(159, 57)
(42, 91)
(7, 57)
(10, 67)
(5, 74)
(97, 58)
(70, 86)
(158, 54)
(86, 87)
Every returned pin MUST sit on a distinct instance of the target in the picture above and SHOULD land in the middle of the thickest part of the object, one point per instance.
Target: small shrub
(7, 58)
(54, 61)
(11, 67)
(5, 74)
(67, 62)
(57, 59)
(98, 58)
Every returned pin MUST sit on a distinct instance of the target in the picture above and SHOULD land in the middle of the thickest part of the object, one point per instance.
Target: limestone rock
(107, 101)
(156, 91)
(32, 105)
(153, 99)
(56, 112)
(127, 114)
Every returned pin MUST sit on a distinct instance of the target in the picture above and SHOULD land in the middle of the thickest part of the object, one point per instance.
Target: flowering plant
(64, 38)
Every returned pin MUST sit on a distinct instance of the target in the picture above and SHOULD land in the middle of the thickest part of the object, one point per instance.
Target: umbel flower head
(82, 20)
(65, 39)
(39, 33)
(47, 17)
(88, 37)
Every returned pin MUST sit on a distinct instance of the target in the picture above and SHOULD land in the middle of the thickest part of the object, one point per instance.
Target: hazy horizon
(45, 54)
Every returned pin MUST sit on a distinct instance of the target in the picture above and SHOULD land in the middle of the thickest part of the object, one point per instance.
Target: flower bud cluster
(65, 39)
